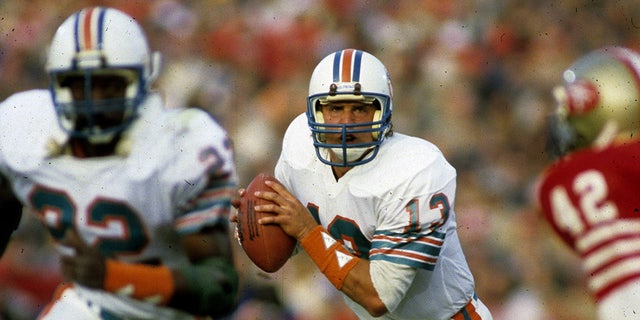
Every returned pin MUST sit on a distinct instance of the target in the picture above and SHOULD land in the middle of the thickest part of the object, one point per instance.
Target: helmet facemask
(349, 76)
(97, 119)
(346, 153)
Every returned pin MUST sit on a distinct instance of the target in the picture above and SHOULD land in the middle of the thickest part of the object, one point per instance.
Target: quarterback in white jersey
(136, 197)
(373, 209)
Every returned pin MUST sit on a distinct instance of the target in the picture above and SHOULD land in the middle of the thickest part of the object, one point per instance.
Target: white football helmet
(349, 75)
(92, 42)
(598, 101)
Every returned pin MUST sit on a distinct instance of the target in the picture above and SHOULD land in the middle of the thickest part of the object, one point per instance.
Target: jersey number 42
(591, 207)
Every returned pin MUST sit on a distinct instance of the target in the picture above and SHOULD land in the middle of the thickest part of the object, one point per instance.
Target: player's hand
(85, 264)
(235, 202)
(292, 216)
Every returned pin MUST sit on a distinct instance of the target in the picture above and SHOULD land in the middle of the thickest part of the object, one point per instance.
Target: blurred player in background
(136, 197)
(372, 208)
(591, 195)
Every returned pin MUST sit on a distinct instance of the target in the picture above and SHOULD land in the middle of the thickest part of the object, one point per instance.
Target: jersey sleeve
(415, 217)
(205, 174)
(28, 128)
(391, 281)
(297, 150)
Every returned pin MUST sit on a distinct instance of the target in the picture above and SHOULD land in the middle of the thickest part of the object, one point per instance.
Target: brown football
(268, 246)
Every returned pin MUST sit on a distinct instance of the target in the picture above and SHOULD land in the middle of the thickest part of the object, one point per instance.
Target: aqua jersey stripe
(414, 249)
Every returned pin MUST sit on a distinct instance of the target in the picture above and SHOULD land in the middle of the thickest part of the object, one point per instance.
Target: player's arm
(11, 211)
(209, 285)
(348, 273)
(206, 286)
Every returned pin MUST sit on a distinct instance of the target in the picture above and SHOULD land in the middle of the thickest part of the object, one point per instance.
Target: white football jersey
(398, 208)
(134, 206)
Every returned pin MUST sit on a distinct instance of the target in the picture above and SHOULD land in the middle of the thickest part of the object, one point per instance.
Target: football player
(373, 208)
(590, 195)
(135, 196)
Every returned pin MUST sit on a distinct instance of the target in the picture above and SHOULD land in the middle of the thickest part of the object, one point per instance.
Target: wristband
(153, 284)
(331, 257)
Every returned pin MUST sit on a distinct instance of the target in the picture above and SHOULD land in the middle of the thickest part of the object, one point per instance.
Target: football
(268, 246)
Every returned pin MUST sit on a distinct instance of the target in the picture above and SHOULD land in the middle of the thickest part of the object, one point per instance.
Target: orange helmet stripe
(346, 65)
(86, 30)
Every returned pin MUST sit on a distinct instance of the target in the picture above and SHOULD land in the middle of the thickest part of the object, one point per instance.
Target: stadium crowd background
(474, 77)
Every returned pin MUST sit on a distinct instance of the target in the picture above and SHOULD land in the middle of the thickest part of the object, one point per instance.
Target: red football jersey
(592, 200)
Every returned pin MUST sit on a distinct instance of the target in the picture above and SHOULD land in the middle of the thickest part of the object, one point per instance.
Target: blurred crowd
(473, 77)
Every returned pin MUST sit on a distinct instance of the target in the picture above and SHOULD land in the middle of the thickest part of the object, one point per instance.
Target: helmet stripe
(89, 29)
(357, 62)
(629, 60)
(346, 65)
(86, 29)
(336, 66)
(76, 35)
(100, 28)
